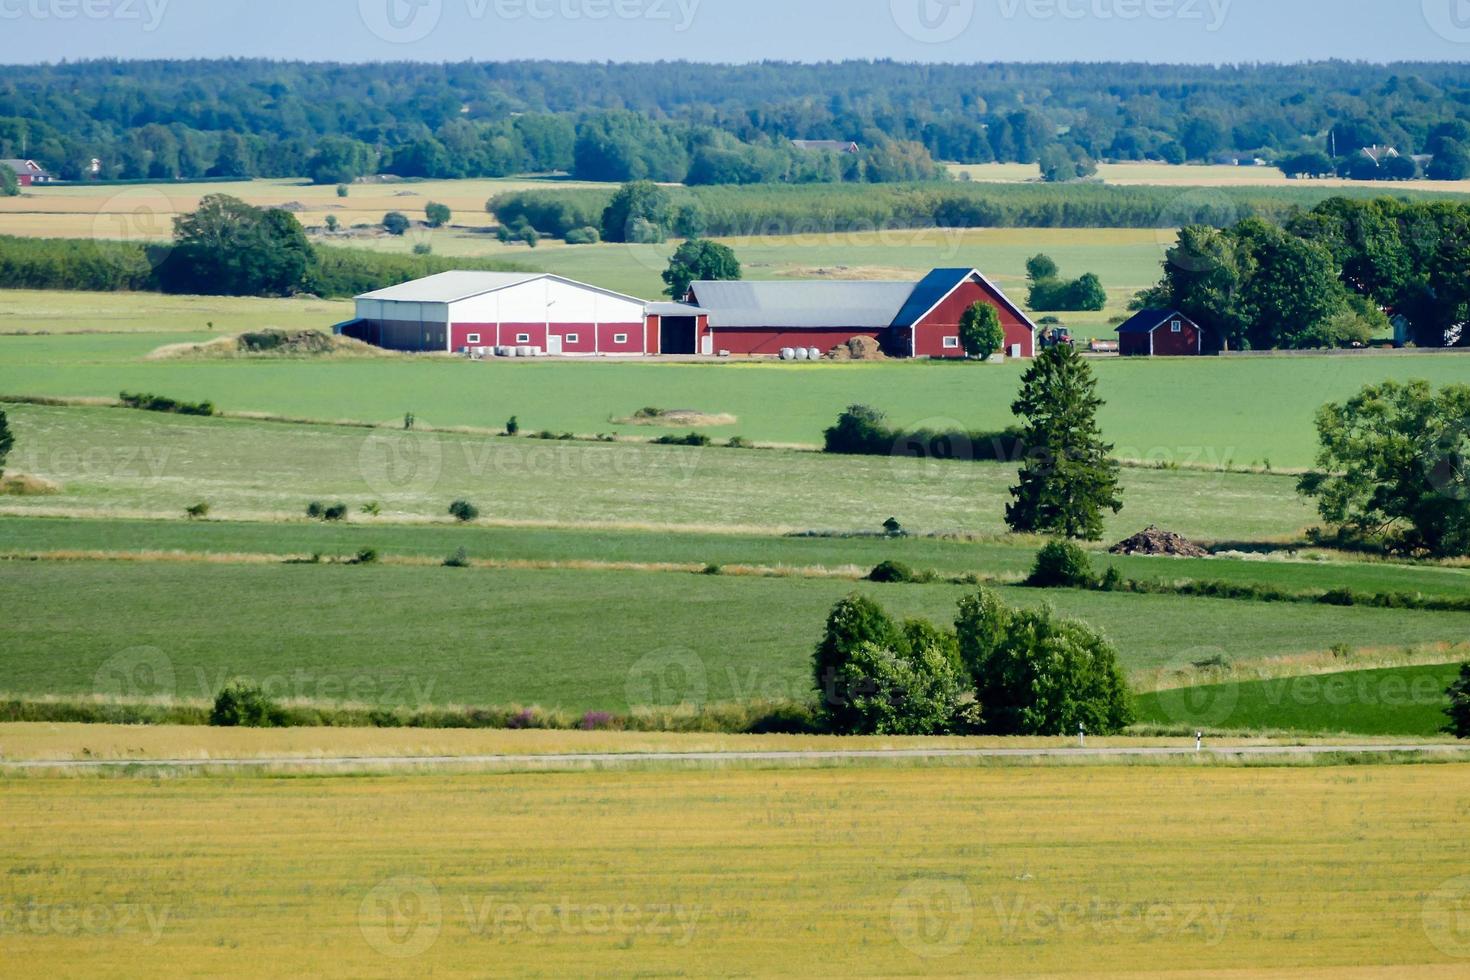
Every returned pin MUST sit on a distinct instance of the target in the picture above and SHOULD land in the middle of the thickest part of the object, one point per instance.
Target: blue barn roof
(930, 290)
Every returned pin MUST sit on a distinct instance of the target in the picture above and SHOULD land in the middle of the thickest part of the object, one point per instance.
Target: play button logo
(401, 21)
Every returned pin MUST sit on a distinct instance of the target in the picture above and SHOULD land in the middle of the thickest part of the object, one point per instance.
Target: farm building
(908, 319)
(27, 172)
(482, 312)
(1164, 333)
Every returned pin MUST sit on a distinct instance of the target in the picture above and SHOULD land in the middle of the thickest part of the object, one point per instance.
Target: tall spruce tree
(1067, 477)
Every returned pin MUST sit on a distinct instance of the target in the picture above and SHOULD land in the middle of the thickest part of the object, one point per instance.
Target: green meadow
(1246, 411)
(564, 638)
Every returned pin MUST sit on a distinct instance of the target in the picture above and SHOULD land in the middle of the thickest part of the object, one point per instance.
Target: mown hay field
(924, 871)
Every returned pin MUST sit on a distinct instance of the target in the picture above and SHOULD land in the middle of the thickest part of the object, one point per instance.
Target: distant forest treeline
(704, 124)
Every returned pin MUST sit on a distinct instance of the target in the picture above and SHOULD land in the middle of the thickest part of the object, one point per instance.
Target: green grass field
(1211, 411)
(867, 872)
(562, 638)
(999, 558)
(62, 312)
(127, 463)
(1382, 701)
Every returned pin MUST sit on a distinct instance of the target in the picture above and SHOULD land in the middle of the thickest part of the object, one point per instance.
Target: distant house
(27, 172)
(1378, 154)
(1164, 333)
(834, 146)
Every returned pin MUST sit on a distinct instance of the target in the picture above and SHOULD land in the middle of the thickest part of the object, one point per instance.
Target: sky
(1212, 31)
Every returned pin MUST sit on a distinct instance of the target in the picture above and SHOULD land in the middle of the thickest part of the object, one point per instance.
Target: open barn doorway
(677, 335)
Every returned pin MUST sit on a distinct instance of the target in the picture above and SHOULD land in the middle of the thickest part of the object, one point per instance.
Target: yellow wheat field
(908, 871)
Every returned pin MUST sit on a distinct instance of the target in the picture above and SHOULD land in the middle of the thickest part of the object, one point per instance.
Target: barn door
(553, 344)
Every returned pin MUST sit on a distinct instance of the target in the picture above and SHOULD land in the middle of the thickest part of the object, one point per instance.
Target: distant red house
(908, 319)
(1164, 333)
(27, 172)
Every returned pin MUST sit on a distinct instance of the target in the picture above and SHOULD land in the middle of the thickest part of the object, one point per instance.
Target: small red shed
(1163, 333)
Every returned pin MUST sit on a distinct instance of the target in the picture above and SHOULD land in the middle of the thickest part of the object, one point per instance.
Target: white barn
(547, 314)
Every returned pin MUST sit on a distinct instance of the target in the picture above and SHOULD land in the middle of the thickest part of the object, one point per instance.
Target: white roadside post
(1081, 736)
(1199, 738)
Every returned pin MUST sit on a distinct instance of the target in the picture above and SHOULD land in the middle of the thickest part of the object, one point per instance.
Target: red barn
(1164, 333)
(27, 172)
(908, 319)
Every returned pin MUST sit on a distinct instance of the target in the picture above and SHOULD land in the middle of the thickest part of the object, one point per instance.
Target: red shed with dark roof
(1164, 333)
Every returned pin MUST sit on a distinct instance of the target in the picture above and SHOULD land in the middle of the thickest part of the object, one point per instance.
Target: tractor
(1056, 336)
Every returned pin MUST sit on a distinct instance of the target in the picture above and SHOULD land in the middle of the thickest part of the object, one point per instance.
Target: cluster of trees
(164, 119)
(999, 671)
(1324, 277)
(1394, 467)
(728, 211)
(9, 183)
(1448, 143)
(1049, 292)
(226, 247)
(699, 260)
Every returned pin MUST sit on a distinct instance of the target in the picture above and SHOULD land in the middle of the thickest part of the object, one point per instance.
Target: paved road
(778, 757)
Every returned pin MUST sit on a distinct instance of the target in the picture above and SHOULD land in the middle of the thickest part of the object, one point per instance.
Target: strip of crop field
(939, 870)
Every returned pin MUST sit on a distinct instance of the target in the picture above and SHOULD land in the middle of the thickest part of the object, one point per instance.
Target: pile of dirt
(675, 418)
(25, 485)
(1152, 541)
(273, 343)
(858, 349)
(295, 207)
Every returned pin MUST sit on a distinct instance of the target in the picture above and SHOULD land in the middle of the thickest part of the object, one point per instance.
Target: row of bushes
(243, 704)
(162, 403)
(864, 431)
(1061, 564)
(109, 266)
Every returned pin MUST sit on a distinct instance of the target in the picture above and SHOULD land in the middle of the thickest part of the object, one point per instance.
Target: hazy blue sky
(739, 30)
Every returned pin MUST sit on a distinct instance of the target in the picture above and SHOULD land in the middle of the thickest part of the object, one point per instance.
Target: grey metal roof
(450, 287)
(802, 304)
(673, 309)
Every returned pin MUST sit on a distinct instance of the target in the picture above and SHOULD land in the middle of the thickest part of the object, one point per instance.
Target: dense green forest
(712, 124)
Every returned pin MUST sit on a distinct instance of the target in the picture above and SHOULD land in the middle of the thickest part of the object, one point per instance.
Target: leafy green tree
(1061, 564)
(1451, 162)
(1067, 478)
(1086, 293)
(9, 183)
(1041, 266)
(638, 200)
(244, 704)
(7, 441)
(340, 160)
(1036, 674)
(396, 223)
(853, 621)
(888, 692)
(1394, 465)
(689, 221)
(1204, 272)
(699, 260)
(1294, 290)
(981, 334)
(227, 247)
(1458, 709)
(438, 215)
(232, 159)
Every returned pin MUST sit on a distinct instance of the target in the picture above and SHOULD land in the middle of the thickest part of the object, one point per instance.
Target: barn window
(951, 343)
(473, 338)
(1176, 326)
(570, 338)
(523, 338)
(620, 338)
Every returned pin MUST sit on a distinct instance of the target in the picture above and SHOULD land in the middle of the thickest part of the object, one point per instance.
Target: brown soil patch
(1152, 541)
